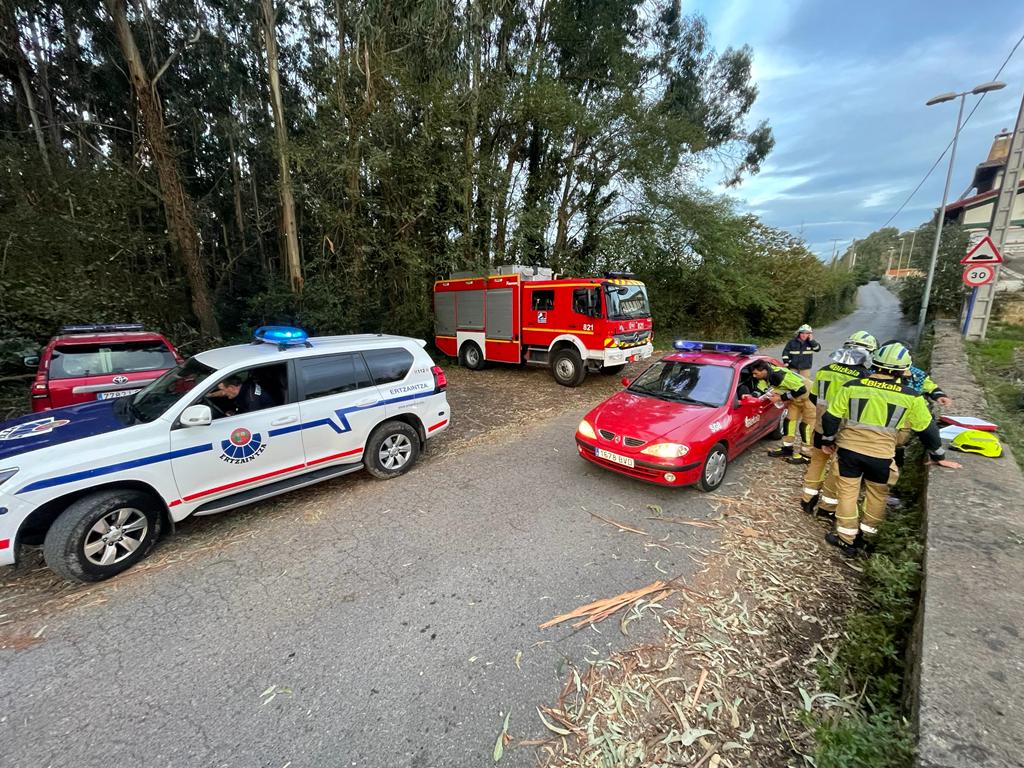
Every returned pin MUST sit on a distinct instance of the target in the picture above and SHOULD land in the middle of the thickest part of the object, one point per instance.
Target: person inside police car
(242, 396)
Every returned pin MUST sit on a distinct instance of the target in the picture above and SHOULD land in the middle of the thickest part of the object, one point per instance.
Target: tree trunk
(30, 102)
(291, 259)
(178, 207)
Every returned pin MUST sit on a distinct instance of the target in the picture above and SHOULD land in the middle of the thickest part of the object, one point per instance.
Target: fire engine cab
(530, 315)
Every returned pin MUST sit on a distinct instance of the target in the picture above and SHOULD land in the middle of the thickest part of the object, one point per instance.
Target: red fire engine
(529, 315)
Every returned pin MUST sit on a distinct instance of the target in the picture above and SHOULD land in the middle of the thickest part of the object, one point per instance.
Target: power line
(966, 120)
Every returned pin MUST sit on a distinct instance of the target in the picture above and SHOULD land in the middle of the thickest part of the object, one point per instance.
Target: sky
(844, 87)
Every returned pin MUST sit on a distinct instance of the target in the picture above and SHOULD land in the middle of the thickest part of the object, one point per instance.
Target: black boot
(846, 550)
(781, 452)
(799, 458)
(825, 514)
(809, 505)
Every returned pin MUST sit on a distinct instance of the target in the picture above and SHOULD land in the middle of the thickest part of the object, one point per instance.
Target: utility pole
(984, 300)
(940, 218)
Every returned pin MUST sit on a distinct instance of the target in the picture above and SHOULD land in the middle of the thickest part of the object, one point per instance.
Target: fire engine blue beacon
(283, 335)
(685, 345)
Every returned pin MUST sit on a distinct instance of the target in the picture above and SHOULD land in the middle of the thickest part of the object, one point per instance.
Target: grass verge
(998, 363)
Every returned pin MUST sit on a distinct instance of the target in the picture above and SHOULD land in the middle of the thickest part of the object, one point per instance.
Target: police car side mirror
(32, 361)
(748, 400)
(196, 416)
(625, 381)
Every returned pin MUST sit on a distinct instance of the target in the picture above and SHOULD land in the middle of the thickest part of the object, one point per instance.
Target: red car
(84, 363)
(684, 419)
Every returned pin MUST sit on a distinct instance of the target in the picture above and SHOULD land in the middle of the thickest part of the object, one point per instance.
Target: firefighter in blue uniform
(798, 354)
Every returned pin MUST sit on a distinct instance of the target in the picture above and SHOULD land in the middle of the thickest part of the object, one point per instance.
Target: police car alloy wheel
(102, 534)
(713, 472)
(391, 450)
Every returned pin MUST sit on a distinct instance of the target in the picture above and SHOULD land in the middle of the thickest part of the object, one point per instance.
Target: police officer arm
(815, 346)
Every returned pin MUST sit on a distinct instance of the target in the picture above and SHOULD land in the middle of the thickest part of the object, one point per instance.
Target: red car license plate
(625, 461)
(118, 393)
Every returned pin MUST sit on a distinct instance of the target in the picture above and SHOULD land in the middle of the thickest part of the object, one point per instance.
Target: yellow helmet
(977, 441)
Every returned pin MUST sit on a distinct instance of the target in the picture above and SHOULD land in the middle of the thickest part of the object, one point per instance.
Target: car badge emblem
(242, 446)
(32, 428)
(120, 379)
(615, 439)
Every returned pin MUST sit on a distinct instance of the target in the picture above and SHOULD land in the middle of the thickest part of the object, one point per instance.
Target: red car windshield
(72, 361)
(690, 383)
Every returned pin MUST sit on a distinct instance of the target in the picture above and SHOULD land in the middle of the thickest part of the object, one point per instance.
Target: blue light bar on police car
(685, 345)
(282, 335)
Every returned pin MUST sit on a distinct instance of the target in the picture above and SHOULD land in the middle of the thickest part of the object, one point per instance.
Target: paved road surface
(877, 311)
(388, 616)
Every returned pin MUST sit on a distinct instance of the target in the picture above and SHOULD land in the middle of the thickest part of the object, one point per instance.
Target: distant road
(878, 311)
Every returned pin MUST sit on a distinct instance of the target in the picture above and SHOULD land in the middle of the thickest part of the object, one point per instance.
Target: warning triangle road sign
(985, 252)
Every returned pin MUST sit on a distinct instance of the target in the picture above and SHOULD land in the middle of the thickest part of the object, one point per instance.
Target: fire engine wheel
(613, 370)
(713, 472)
(391, 450)
(471, 357)
(102, 534)
(567, 367)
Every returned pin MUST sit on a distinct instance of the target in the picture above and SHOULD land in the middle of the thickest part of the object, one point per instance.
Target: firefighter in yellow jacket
(788, 387)
(861, 426)
(852, 361)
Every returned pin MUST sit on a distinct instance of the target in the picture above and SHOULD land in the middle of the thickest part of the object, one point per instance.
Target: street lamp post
(995, 85)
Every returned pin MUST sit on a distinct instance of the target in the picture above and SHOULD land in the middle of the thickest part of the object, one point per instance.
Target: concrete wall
(969, 692)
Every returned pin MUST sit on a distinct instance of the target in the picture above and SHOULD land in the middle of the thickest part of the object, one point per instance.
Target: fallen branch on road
(602, 609)
(620, 526)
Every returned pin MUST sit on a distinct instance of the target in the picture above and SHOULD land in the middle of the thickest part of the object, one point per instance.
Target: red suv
(83, 363)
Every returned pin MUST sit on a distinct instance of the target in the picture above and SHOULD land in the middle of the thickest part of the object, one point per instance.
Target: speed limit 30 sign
(978, 275)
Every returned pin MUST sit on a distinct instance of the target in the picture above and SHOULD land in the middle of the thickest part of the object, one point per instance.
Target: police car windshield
(688, 383)
(627, 302)
(151, 402)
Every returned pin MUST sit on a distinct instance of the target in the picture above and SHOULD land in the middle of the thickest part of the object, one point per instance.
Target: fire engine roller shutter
(499, 314)
(470, 310)
(444, 313)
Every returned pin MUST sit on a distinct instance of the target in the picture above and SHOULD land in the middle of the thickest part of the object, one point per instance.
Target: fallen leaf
(550, 727)
(503, 739)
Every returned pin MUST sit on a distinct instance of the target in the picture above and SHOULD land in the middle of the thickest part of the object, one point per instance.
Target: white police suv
(96, 484)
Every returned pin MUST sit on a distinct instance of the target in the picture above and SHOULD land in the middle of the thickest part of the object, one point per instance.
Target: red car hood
(648, 418)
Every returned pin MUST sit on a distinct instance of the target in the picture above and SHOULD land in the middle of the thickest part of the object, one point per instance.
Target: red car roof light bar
(685, 345)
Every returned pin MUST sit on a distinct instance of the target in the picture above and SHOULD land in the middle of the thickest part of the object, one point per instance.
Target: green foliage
(998, 363)
(947, 286)
(425, 138)
(881, 739)
(873, 253)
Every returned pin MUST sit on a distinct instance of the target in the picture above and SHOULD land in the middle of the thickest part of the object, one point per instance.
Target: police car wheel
(471, 357)
(567, 368)
(102, 534)
(612, 370)
(391, 450)
(713, 472)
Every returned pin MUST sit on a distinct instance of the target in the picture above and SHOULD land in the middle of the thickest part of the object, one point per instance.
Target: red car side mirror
(748, 400)
(626, 382)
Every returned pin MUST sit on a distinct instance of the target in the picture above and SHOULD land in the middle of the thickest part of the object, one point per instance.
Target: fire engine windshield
(627, 302)
(689, 383)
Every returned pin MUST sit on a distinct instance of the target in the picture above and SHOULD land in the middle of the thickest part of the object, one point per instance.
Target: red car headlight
(666, 450)
(586, 429)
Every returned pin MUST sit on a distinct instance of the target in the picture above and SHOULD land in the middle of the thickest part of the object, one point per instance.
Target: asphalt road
(364, 623)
